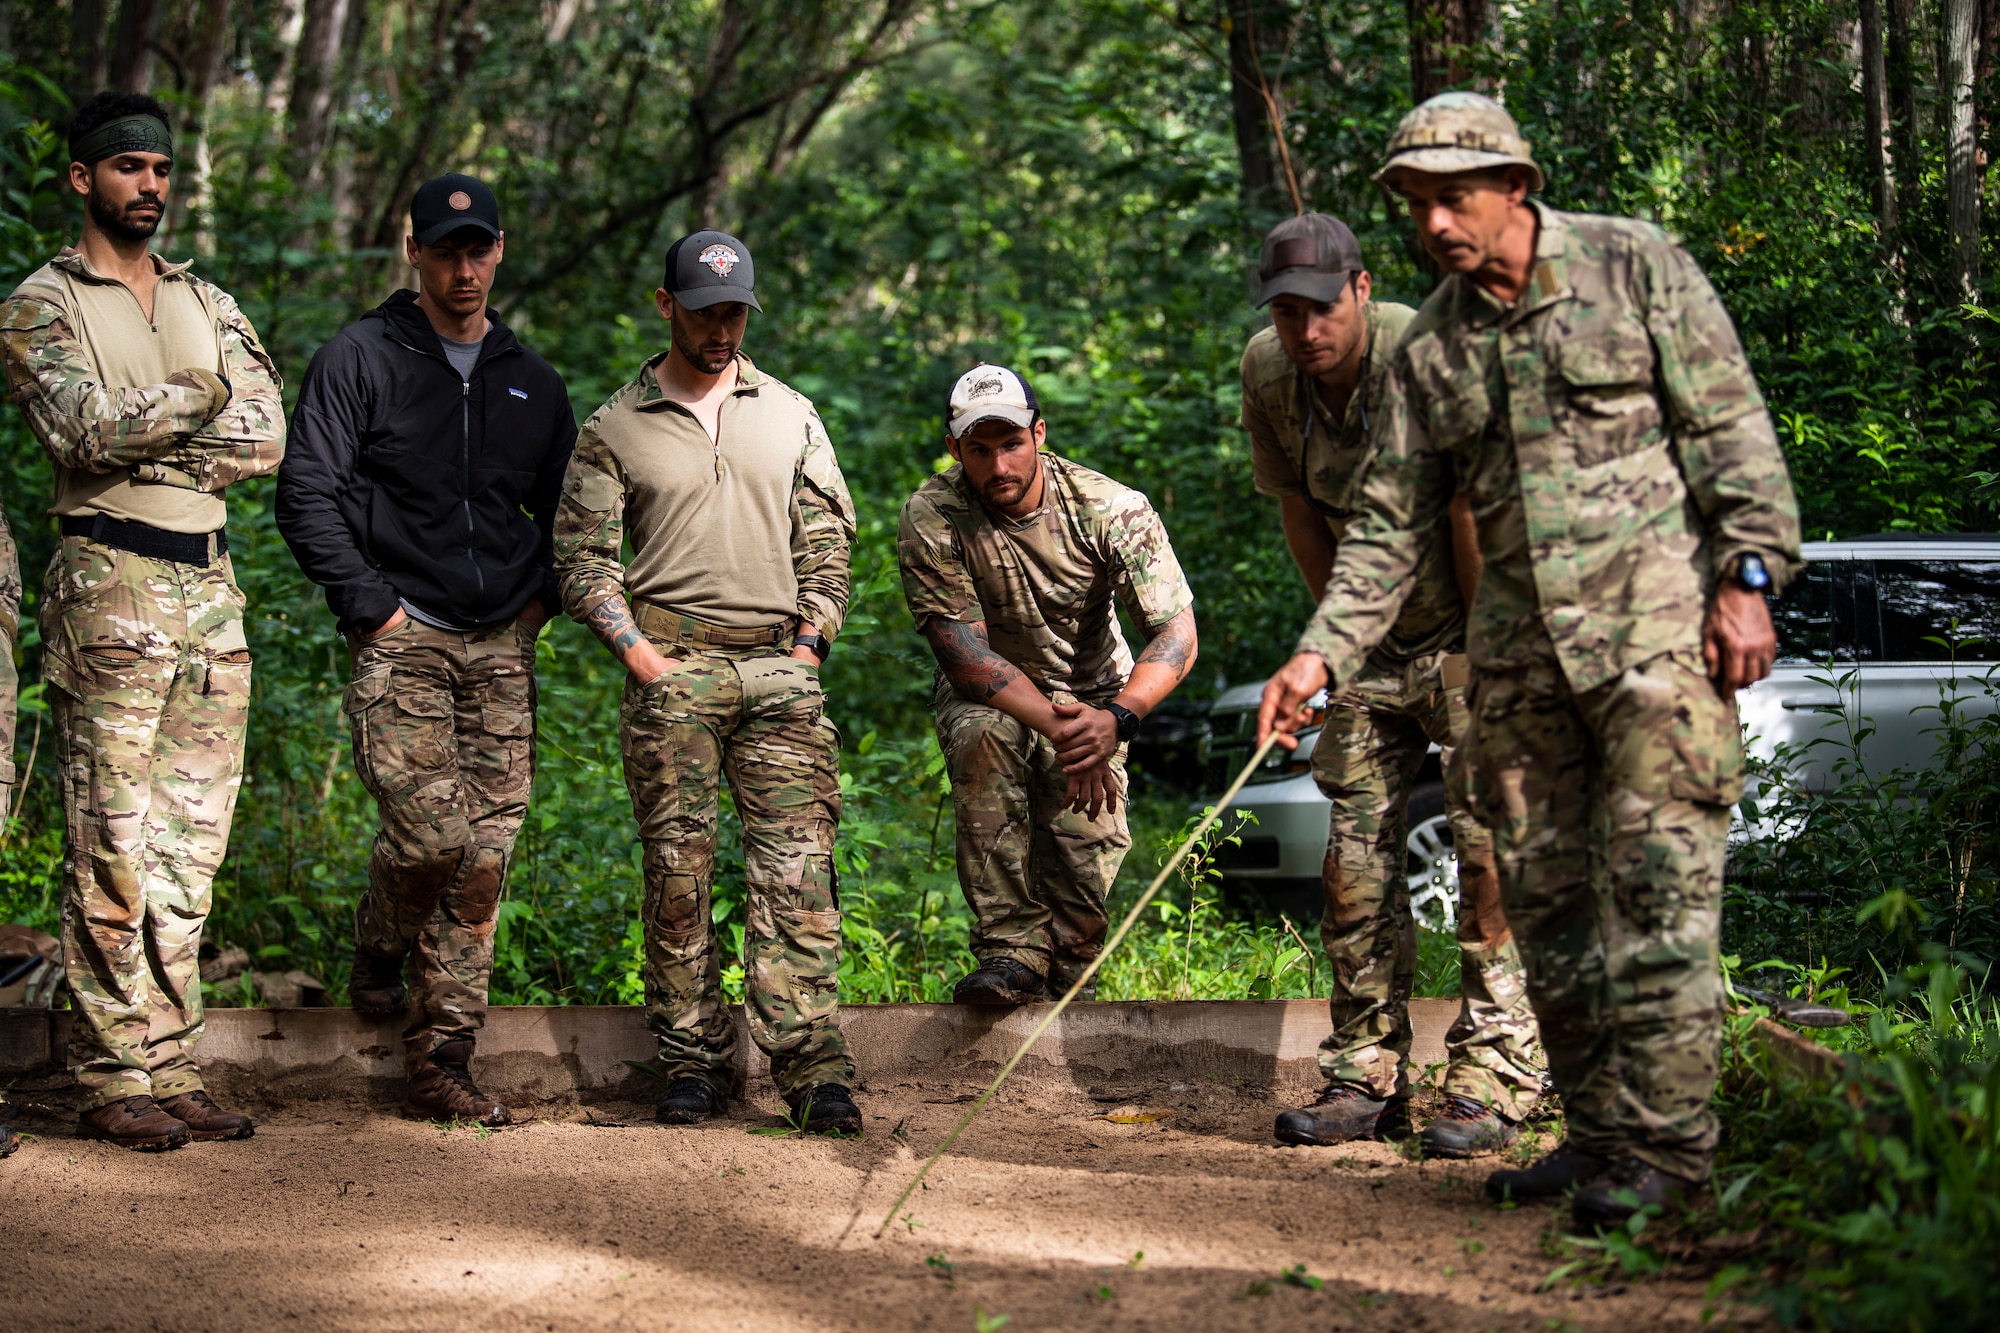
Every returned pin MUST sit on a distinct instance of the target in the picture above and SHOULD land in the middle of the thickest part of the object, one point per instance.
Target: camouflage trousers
(1609, 809)
(443, 727)
(1034, 873)
(148, 679)
(10, 680)
(1366, 761)
(757, 716)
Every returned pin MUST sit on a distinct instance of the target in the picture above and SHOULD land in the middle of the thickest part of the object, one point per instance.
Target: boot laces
(1463, 1108)
(460, 1077)
(1335, 1093)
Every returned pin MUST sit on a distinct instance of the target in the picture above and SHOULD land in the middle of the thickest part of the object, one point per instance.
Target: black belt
(183, 548)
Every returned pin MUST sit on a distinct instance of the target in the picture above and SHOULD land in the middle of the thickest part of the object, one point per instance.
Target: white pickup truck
(1876, 614)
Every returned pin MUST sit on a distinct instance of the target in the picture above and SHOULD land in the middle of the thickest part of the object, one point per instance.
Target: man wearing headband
(1312, 384)
(148, 389)
(1578, 376)
(428, 448)
(1015, 562)
(724, 481)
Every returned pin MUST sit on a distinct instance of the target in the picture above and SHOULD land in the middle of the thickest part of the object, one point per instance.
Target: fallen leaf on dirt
(1137, 1115)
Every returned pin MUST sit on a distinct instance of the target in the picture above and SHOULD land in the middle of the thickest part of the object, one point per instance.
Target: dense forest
(1079, 190)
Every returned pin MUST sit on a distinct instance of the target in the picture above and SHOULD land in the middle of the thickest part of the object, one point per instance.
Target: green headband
(138, 133)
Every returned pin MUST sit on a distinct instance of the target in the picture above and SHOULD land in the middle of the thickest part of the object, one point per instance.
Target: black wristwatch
(817, 642)
(1750, 573)
(1128, 721)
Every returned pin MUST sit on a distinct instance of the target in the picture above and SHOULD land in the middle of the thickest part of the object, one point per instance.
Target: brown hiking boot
(206, 1121)
(375, 986)
(441, 1088)
(1465, 1128)
(999, 983)
(1551, 1177)
(8, 1140)
(1343, 1112)
(1624, 1188)
(136, 1122)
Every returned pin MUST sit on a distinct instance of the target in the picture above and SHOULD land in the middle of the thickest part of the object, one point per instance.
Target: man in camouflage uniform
(1578, 376)
(1308, 384)
(1014, 561)
(151, 394)
(725, 482)
(428, 449)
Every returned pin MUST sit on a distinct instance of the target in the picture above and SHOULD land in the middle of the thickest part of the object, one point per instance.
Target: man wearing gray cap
(429, 448)
(1014, 563)
(724, 481)
(1578, 376)
(1309, 382)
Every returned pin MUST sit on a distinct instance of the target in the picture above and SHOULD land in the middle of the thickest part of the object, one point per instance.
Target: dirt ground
(347, 1217)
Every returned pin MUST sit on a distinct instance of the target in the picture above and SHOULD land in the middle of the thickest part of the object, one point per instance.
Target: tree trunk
(192, 195)
(1961, 35)
(290, 21)
(132, 55)
(1875, 96)
(1448, 39)
(1251, 22)
(86, 44)
(1982, 83)
(1905, 130)
(315, 66)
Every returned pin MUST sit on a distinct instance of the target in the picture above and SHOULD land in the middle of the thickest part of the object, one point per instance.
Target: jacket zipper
(465, 453)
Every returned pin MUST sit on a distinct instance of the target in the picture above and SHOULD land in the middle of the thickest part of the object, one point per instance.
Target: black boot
(826, 1108)
(1625, 1187)
(375, 986)
(1344, 1112)
(1000, 983)
(688, 1101)
(1465, 1128)
(1550, 1178)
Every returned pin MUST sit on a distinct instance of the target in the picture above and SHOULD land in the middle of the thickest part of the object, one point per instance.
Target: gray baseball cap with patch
(711, 267)
(1455, 132)
(1311, 255)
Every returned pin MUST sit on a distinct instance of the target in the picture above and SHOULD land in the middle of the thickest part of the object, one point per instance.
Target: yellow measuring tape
(1125, 926)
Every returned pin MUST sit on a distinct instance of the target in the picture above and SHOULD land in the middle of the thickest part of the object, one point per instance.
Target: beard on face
(710, 360)
(122, 223)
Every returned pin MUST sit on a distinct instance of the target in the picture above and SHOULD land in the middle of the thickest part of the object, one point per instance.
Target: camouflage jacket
(744, 530)
(191, 431)
(1044, 585)
(1615, 446)
(1294, 450)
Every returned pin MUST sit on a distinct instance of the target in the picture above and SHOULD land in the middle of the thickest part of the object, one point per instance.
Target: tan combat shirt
(748, 530)
(1044, 584)
(1297, 449)
(1615, 446)
(134, 412)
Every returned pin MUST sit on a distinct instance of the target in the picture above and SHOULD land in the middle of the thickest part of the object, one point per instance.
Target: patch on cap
(721, 258)
(460, 200)
(989, 391)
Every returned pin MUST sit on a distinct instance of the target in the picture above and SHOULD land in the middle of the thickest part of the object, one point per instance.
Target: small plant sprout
(1297, 1276)
(1138, 1257)
(983, 1322)
(1257, 1286)
(941, 1266)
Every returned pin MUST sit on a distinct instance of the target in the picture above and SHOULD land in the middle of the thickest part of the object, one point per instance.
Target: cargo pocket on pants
(1708, 743)
(363, 693)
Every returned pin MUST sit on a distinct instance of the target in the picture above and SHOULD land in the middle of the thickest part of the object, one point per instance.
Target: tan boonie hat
(1457, 132)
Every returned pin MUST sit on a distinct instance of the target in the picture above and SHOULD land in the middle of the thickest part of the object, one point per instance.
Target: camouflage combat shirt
(745, 530)
(1615, 446)
(191, 431)
(1044, 584)
(1296, 449)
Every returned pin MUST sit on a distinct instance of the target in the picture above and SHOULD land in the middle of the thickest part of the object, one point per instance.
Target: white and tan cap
(989, 392)
(1456, 132)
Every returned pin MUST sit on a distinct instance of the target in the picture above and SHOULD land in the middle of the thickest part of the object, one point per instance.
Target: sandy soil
(346, 1217)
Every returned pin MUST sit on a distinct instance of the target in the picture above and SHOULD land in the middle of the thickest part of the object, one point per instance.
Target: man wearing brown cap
(1309, 383)
(1579, 378)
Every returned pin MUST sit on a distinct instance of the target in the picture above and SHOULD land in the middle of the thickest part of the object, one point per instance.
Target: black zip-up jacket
(404, 481)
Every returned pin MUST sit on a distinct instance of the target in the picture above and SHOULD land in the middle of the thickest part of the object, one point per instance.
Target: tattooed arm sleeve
(968, 660)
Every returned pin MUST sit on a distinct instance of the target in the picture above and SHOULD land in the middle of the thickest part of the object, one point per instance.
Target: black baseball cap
(708, 268)
(447, 203)
(1311, 255)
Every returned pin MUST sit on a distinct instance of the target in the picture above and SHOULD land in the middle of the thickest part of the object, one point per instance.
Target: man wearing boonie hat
(725, 481)
(150, 393)
(1312, 383)
(1014, 562)
(1578, 376)
(428, 452)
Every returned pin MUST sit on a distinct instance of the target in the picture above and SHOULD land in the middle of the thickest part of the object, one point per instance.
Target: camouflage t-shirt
(1296, 449)
(1615, 447)
(1044, 584)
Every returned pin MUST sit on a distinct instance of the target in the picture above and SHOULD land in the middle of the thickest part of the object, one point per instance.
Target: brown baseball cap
(1312, 255)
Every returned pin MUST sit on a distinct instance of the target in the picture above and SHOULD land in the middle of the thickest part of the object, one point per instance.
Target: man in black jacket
(422, 434)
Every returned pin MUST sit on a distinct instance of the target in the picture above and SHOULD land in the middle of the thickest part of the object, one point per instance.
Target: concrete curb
(544, 1053)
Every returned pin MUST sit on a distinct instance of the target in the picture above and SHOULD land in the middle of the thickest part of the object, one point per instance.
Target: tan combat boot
(206, 1121)
(135, 1122)
(441, 1088)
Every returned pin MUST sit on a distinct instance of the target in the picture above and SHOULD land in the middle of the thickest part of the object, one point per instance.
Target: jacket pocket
(1607, 377)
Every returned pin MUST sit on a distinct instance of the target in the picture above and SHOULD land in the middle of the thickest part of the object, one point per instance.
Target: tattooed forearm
(611, 621)
(1174, 647)
(968, 659)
